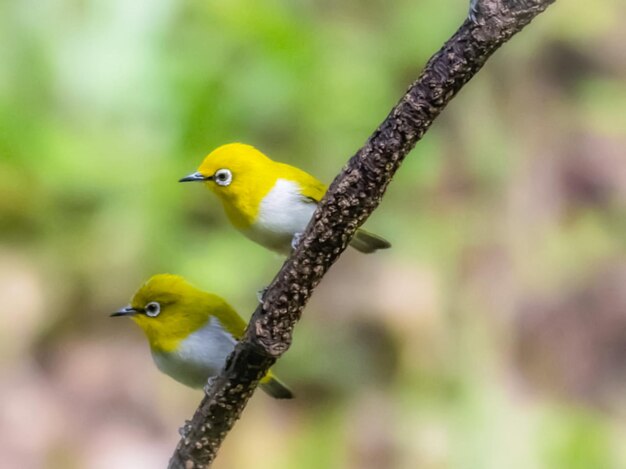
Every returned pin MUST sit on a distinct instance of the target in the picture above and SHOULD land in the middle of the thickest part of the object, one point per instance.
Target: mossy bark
(350, 200)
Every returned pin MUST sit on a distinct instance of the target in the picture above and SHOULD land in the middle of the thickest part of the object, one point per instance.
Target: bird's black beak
(195, 177)
(125, 311)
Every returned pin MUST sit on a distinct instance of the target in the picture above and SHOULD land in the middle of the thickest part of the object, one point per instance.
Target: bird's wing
(229, 319)
(310, 187)
(313, 189)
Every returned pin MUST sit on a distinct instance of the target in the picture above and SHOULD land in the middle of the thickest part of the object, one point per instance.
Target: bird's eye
(223, 177)
(153, 309)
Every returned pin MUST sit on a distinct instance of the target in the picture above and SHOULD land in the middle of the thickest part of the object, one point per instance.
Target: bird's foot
(209, 384)
(295, 240)
(185, 430)
(260, 295)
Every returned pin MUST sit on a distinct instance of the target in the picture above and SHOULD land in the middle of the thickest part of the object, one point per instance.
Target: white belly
(199, 356)
(283, 212)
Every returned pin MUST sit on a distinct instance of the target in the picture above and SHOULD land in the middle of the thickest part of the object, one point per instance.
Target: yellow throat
(184, 310)
(253, 177)
(191, 332)
(269, 202)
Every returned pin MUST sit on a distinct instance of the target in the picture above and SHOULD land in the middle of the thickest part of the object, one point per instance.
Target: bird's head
(234, 170)
(167, 308)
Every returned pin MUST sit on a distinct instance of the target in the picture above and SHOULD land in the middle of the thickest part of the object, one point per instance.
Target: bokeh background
(492, 335)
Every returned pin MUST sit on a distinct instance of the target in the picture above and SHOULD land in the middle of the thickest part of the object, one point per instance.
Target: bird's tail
(275, 388)
(366, 242)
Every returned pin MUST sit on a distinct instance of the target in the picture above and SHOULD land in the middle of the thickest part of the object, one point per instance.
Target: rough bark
(351, 198)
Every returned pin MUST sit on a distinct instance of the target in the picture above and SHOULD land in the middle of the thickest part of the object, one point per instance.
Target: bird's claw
(209, 384)
(260, 295)
(295, 240)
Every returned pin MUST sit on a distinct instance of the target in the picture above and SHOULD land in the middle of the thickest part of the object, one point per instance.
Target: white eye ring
(223, 177)
(153, 309)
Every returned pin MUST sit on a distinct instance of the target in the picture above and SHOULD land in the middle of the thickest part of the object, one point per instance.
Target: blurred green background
(492, 335)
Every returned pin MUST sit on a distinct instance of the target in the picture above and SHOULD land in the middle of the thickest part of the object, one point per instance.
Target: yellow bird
(190, 332)
(269, 202)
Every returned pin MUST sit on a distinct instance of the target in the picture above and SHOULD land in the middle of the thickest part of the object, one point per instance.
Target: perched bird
(191, 332)
(269, 202)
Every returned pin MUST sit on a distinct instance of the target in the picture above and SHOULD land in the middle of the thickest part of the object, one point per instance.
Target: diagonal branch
(351, 198)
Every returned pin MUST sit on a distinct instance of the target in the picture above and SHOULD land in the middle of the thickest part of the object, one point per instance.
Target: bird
(270, 202)
(191, 332)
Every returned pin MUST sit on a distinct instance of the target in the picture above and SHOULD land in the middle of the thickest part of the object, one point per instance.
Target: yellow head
(168, 309)
(234, 169)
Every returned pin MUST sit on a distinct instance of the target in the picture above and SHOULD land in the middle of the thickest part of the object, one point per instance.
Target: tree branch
(351, 198)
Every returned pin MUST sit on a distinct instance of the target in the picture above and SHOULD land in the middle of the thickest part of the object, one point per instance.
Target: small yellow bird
(269, 202)
(191, 332)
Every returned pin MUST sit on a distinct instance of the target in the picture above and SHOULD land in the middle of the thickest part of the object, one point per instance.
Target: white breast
(199, 356)
(283, 212)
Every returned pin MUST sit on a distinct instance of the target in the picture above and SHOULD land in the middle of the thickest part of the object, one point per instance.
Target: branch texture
(351, 198)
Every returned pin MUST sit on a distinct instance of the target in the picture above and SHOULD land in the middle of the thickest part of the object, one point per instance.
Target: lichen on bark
(351, 198)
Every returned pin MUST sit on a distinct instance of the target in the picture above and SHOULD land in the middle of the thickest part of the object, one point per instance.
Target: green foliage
(403, 358)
